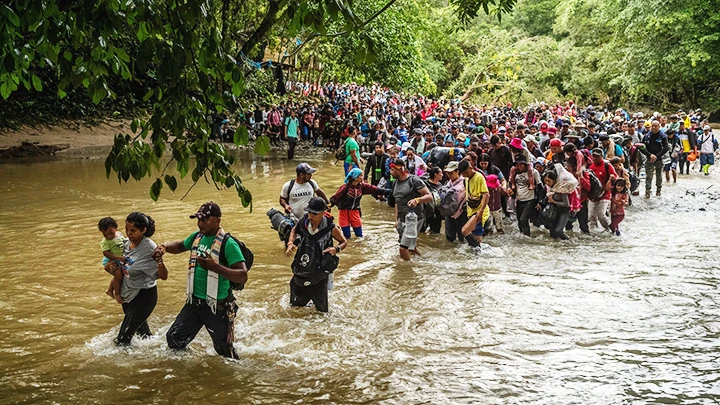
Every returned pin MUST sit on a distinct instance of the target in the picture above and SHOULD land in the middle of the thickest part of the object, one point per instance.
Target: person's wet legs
(524, 212)
(582, 217)
(186, 326)
(137, 312)
(558, 230)
(292, 142)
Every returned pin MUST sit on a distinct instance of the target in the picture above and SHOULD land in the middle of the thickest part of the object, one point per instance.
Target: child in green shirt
(112, 246)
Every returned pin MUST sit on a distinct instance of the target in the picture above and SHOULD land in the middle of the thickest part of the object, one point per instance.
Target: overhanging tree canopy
(186, 54)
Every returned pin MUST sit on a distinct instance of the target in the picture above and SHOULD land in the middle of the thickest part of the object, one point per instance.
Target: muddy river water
(598, 319)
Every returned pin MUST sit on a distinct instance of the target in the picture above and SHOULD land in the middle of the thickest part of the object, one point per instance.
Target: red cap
(544, 127)
(556, 142)
(552, 130)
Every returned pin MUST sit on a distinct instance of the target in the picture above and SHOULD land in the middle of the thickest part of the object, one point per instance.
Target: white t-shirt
(414, 164)
(300, 195)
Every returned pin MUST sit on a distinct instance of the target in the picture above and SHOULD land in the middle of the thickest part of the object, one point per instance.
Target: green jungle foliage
(177, 65)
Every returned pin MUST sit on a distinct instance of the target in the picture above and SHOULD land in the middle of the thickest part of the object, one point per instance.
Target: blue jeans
(707, 159)
(349, 166)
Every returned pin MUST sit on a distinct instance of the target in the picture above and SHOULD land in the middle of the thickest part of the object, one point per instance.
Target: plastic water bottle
(330, 281)
(410, 230)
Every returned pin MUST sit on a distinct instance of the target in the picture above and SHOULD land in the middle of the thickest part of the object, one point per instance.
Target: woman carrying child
(140, 273)
(561, 184)
(523, 179)
(347, 199)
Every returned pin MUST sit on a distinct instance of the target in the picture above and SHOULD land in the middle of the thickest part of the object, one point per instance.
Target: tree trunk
(262, 30)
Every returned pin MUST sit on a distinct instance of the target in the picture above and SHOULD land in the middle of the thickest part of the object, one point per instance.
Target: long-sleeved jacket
(376, 162)
(691, 137)
(655, 144)
(348, 197)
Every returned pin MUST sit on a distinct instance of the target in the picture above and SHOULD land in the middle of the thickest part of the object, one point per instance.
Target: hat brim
(312, 211)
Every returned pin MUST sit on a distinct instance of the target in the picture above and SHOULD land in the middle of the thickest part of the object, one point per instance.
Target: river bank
(73, 138)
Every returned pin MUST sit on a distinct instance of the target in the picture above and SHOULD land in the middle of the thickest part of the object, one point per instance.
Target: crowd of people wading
(549, 168)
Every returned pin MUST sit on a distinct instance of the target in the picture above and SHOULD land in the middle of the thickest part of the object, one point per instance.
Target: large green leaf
(171, 182)
(37, 84)
(155, 189)
(241, 136)
(262, 145)
(12, 17)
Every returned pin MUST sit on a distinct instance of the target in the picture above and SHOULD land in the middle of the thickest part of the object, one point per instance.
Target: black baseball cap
(207, 210)
(316, 205)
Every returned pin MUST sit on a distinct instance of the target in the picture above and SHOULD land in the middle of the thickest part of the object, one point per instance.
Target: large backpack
(448, 201)
(307, 266)
(596, 187)
(247, 254)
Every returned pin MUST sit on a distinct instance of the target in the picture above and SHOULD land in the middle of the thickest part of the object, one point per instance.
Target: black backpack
(341, 153)
(596, 187)
(309, 265)
(247, 254)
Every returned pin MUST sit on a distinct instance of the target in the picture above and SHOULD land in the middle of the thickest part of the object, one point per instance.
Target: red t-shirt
(603, 171)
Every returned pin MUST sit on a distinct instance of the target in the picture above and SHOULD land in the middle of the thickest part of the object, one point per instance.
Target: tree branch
(188, 191)
(337, 34)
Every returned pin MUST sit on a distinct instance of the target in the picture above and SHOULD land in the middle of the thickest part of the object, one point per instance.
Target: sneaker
(647, 193)
(617, 232)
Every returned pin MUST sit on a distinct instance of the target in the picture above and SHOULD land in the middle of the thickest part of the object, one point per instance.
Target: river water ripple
(594, 320)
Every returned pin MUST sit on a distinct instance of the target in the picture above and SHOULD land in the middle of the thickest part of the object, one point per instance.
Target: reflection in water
(597, 319)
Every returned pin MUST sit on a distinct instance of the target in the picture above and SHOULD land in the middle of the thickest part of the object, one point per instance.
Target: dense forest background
(661, 54)
(175, 66)
(655, 53)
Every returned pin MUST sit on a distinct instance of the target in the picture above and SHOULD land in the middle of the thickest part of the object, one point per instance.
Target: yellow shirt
(476, 187)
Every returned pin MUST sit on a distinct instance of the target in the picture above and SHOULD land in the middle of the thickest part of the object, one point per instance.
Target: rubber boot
(470, 239)
(346, 232)
(358, 231)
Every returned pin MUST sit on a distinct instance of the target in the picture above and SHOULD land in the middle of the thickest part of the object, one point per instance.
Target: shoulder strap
(330, 226)
(223, 261)
(290, 187)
